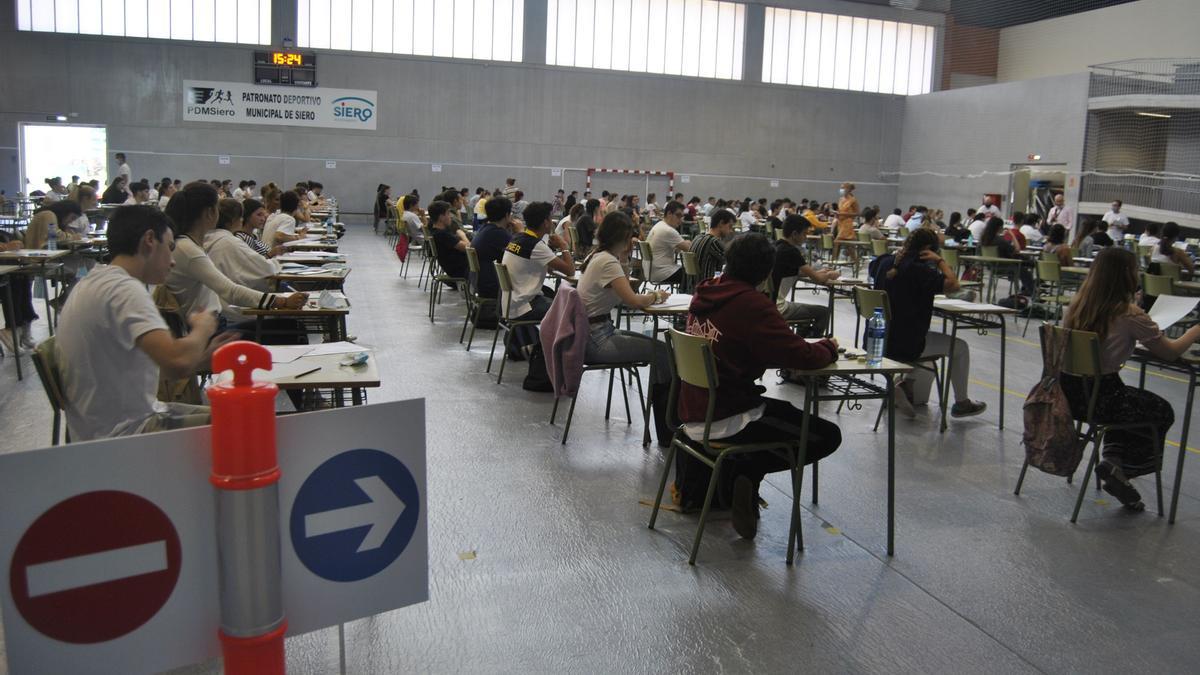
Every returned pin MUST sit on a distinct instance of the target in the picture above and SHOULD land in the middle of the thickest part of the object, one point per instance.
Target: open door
(62, 150)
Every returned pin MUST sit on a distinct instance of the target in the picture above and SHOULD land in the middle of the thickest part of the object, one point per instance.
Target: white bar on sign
(95, 568)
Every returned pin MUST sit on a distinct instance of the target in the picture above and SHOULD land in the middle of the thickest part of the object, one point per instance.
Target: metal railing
(1145, 77)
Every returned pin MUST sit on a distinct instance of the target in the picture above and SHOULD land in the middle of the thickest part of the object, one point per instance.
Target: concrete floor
(567, 576)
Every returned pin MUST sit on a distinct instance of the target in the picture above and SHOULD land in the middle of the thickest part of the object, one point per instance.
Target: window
(697, 38)
(491, 30)
(238, 21)
(842, 52)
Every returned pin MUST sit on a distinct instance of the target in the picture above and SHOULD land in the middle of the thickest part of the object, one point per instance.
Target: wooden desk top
(26, 255)
(332, 375)
(851, 366)
(85, 242)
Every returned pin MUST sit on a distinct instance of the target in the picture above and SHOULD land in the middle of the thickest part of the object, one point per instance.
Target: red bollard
(245, 472)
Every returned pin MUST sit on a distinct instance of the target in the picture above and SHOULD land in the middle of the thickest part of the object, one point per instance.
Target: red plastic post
(244, 459)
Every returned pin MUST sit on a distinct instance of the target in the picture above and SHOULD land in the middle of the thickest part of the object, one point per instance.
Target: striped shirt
(254, 243)
(710, 255)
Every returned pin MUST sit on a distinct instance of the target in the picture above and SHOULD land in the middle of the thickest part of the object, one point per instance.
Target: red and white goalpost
(670, 175)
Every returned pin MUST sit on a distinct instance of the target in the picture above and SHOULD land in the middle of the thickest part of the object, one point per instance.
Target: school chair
(613, 369)
(691, 270)
(475, 302)
(438, 280)
(45, 361)
(866, 301)
(1049, 291)
(504, 321)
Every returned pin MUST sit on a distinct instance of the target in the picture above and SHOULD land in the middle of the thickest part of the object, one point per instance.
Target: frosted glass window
(694, 38)
(817, 49)
(489, 30)
(233, 21)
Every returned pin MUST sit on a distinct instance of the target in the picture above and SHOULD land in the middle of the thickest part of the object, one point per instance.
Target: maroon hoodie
(748, 336)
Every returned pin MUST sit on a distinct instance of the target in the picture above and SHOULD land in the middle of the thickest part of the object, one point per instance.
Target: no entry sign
(95, 567)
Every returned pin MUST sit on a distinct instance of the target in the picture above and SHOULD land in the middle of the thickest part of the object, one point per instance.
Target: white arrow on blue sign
(354, 515)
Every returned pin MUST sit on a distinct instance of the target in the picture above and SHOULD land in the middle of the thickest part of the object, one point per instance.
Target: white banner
(238, 103)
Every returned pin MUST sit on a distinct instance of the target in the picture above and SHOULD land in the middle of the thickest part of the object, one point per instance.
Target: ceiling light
(1157, 115)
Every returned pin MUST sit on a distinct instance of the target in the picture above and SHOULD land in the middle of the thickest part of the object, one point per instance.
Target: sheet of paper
(287, 353)
(335, 348)
(278, 371)
(677, 300)
(1168, 310)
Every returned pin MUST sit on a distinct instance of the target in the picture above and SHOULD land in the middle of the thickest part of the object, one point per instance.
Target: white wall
(1069, 44)
(966, 132)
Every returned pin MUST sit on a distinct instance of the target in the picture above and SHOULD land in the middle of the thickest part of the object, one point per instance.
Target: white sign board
(774, 183)
(437, 168)
(556, 172)
(330, 164)
(240, 103)
(685, 178)
(223, 160)
(111, 547)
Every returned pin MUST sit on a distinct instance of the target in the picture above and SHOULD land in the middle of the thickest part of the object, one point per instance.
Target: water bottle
(970, 240)
(876, 328)
(52, 238)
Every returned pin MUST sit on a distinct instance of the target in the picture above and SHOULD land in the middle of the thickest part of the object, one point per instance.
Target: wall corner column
(752, 56)
(283, 21)
(534, 51)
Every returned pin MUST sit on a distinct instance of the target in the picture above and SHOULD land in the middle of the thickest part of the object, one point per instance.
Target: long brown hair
(1107, 292)
(918, 240)
(616, 229)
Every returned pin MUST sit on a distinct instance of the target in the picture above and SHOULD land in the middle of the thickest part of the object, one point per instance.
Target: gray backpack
(1051, 442)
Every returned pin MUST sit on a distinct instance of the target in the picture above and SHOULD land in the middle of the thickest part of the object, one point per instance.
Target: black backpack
(538, 378)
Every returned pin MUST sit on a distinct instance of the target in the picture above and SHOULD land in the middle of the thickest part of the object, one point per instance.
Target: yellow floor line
(1010, 392)
(1149, 371)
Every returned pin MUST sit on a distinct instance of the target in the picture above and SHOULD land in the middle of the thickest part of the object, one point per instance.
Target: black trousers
(1119, 403)
(21, 311)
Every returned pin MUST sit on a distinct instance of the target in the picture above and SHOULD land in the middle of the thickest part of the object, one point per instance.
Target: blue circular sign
(354, 515)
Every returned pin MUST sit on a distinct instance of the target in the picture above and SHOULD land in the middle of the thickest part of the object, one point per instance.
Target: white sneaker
(27, 340)
(903, 403)
(6, 340)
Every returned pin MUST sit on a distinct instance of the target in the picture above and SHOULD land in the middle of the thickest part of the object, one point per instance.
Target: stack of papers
(1169, 310)
(676, 300)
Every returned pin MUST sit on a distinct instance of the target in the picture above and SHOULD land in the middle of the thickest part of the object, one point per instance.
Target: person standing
(847, 211)
(1061, 213)
(1117, 222)
(123, 168)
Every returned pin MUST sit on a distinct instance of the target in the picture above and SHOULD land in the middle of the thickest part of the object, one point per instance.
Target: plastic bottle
(970, 240)
(52, 238)
(876, 329)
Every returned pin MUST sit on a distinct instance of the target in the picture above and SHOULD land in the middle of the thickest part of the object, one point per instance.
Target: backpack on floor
(538, 378)
(1051, 443)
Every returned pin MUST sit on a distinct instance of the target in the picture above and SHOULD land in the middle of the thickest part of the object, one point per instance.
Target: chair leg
(504, 357)
(625, 397)
(471, 335)
(662, 484)
(554, 410)
(608, 403)
(1158, 490)
(54, 428)
(1021, 478)
(466, 319)
(570, 416)
(1084, 485)
(491, 356)
(712, 488)
(879, 416)
(814, 481)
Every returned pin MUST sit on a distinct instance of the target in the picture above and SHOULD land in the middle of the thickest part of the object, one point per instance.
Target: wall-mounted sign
(437, 168)
(237, 103)
(685, 179)
(331, 164)
(774, 183)
(223, 160)
(556, 172)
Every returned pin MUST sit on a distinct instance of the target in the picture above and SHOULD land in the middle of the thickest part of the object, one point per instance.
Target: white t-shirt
(663, 239)
(162, 202)
(239, 193)
(1117, 222)
(110, 385)
(1032, 234)
(561, 228)
(278, 222)
(748, 219)
(598, 296)
(977, 227)
(198, 285)
(1147, 240)
(990, 209)
(526, 259)
(124, 170)
(413, 223)
(893, 222)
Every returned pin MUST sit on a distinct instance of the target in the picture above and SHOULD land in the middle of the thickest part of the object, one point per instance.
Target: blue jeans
(606, 344)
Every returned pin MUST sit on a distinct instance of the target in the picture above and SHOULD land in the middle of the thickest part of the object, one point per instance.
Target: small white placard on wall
(223, 159)
(774, 183)
(556, 172)
(685, 179)
(437, 168)
(330, 164)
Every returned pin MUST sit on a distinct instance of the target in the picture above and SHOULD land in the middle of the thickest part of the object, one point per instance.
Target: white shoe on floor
(903, 402)
(27, 340)
(6, 341)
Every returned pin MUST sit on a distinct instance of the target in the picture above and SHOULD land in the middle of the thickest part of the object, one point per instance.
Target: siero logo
(353, 109)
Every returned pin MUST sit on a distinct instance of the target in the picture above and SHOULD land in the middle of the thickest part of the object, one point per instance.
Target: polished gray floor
(565, 574)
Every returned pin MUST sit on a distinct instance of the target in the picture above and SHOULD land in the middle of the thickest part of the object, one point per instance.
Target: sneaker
(27, 340)
(967, 408)
(6, 340)
(903, 399)
(745, 508)
(1114, 482)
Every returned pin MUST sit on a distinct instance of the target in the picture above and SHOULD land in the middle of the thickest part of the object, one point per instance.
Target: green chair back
(647, 258)
(504, 277)
(45, 361)
(693, 360)
(690, 267)
(879, 246)
(1083, 352)
(1157, 284)
(1049, 255)
(867, 300)
(1170, 269)
(864, 236)
(1049, 271)
(989, 251)
(827, 242)
(950, 255)
(473, 260)
(1145, 251)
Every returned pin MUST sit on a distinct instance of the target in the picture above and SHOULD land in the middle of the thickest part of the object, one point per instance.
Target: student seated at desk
(410, 220)
(602, 286)
(281, 226)
(451, 243)
(1167, 251)
(232, 255)
(1056, 243)
(664, 241)
(1105, 306)
(956, 230)
(139, 193)
(748, 337)
(195, 281)
(490, 242)
(911, 278)
(871, 224)
(254, 216)
(112, 341)
(994, 234)
(116, 193)
(1092, 235)
(19, 317)
(789, 266)
(528, 256)
(710, 248)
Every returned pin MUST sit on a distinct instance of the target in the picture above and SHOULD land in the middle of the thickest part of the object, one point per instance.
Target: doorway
(62, 150)
(1031, 187)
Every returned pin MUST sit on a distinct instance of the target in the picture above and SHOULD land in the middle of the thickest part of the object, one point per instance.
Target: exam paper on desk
(1168, 310)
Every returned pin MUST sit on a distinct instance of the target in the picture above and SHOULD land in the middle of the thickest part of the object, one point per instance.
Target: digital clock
(297, 69)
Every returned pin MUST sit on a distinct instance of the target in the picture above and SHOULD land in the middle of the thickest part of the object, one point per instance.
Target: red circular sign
(95, 567)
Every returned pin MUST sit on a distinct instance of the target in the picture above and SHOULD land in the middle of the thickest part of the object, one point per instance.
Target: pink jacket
(564, 332)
